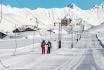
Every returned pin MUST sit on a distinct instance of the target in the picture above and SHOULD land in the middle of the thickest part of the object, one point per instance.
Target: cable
(15, 35)
(34, 16)
(9, 20)
(38, 27)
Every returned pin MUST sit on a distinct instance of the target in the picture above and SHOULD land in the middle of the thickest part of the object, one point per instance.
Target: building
(2, 35)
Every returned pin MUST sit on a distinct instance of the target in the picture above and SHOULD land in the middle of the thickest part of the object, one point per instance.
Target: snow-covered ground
(87, 53)
(84, 56)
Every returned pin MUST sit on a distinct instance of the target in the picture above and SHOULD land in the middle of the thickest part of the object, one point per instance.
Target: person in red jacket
(43, 46)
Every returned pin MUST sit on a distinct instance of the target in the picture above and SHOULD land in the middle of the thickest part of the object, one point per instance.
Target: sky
(33, 4)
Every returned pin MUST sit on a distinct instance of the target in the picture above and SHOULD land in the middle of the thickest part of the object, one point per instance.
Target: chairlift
(50, 31)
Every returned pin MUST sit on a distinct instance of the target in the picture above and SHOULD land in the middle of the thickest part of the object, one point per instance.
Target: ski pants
(43, 50)
(48, 50)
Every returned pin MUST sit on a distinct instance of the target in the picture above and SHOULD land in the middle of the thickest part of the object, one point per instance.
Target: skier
(49, 46)
(43, 46)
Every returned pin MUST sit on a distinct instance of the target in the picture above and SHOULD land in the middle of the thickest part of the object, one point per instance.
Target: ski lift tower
(59, 35)
(64, 22)
(59, 32)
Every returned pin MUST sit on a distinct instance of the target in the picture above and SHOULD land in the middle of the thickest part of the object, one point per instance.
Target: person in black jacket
(43, 46)
(49, 46)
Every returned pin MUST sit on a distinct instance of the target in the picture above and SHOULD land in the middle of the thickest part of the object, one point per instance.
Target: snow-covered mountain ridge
(23, 16)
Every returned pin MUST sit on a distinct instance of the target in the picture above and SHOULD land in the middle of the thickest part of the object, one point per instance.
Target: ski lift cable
(26, 16)
(1, 22)
(49, 15)
(15, 28)
(15, 33)
(39, 30)
(15, 20)
(16, 46)
(51, 19)
(9, 20)
(52, 22)
(38, 27)
(33, 16)
(53, 13)
(1, 11)
(37, 18)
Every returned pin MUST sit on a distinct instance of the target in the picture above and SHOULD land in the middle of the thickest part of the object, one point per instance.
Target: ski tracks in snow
(75, 60)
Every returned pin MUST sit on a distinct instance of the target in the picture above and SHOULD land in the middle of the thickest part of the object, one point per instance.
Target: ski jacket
(43, 44)
(49, 44)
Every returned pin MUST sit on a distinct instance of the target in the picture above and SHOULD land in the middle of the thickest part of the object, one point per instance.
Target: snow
(87, 53)
(30, 57)
(99, 57)
(26, 16)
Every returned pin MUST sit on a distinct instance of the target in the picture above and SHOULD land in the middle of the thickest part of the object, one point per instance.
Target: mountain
(97, 29)
(17, 17)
